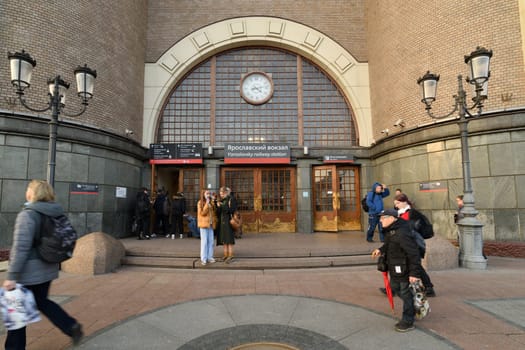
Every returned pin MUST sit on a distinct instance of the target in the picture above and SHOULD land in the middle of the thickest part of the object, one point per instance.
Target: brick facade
(342, 20)
(399, 42)
(108, 36)
(406, 41)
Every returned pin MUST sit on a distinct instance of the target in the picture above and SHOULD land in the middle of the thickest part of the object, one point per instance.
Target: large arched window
(306, 107)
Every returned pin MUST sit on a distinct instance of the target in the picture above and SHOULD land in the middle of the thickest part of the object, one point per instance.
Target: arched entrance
(350, 75)
(305, 105)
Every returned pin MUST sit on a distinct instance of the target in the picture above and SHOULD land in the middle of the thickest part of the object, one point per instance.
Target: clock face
(256, 88)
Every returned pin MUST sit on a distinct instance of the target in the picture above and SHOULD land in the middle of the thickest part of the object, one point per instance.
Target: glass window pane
(241, 184)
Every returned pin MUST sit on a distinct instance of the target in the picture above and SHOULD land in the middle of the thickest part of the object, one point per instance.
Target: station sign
(83, 188)
(175, 153)
(433, 187)
(338, 159)
(257, 153)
